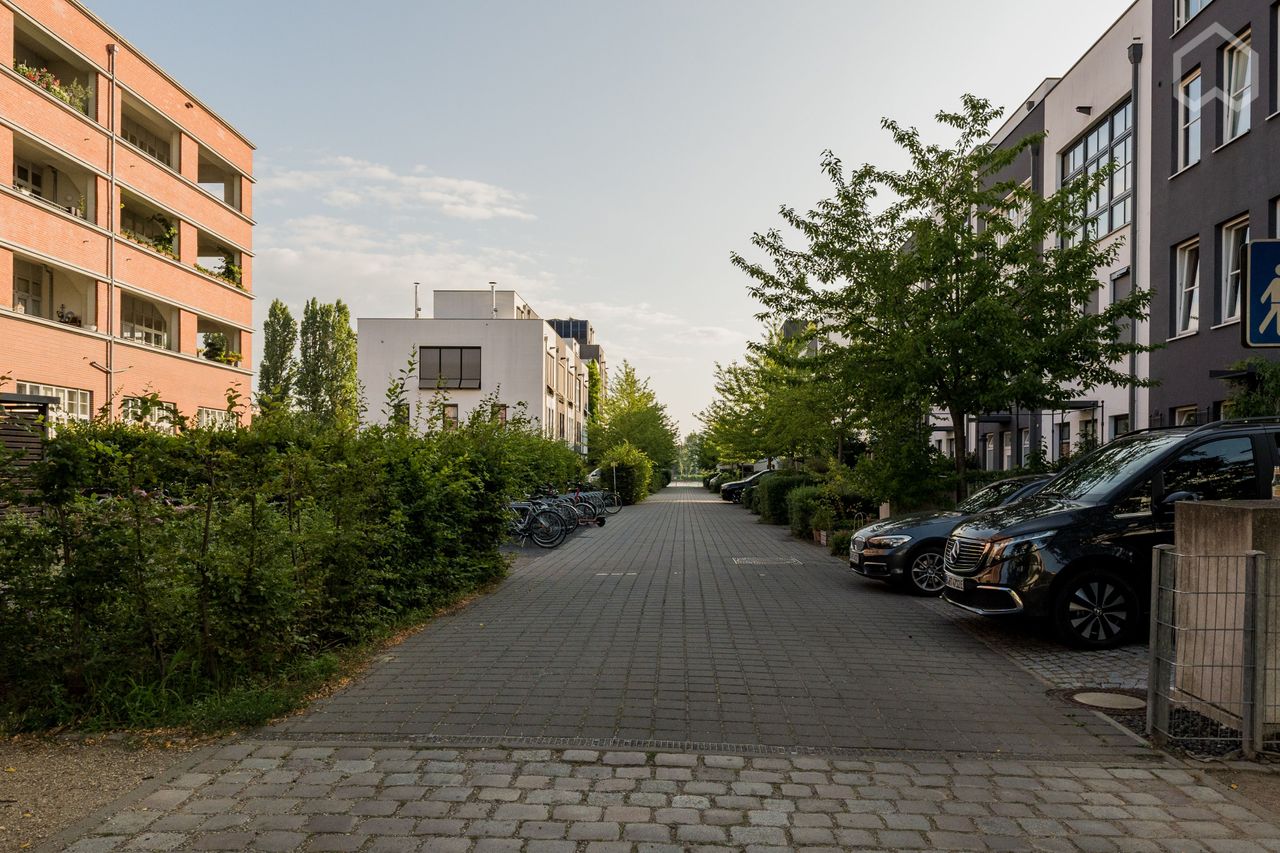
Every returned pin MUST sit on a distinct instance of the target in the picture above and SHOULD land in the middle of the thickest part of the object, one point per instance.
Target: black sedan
(907, 550)
(733, 491)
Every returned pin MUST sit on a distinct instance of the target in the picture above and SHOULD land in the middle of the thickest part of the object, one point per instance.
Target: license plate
(855, 558)
(955, 582)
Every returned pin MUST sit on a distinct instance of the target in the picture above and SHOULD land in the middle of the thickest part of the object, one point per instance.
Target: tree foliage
(1257, 393)
(278, 369)
(630, 413)
(327, 383)
(939, 286)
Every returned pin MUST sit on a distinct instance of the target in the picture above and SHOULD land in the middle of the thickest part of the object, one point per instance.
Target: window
(1189, 109)
(1188, 288)
(988, 452)
(1185, 10)
(1186, 416)
(1221, 470)
(1025, 439)
(1064, 440)
(210, 418)
(1237, 68)
(158, 415)
(141, 321)
(74, 404)
(451, 417)
(1108, 141)
(951, 448)
(1235, 260)
(1006, 446)
(28, 177)
(449, 367)
(1120, 425)
(28, 288)
(144, 140)
(502, 413)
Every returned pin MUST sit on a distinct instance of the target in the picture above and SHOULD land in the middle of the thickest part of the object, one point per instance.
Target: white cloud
(348, 182)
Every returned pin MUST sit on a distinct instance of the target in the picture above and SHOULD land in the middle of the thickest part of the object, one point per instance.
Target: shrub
(772, 493)
(210, 575)
(633, 470)
(750, 498)
(801, 504)
(840, 541)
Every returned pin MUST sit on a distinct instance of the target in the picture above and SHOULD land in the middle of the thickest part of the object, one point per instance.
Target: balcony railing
(74, 94)
(78, 212)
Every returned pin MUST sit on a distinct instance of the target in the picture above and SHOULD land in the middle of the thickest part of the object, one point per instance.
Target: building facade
(1215, 178)
(126, 230)
(481, 349)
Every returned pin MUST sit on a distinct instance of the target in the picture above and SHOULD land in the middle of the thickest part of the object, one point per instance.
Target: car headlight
(1018, 546)
(887, 541)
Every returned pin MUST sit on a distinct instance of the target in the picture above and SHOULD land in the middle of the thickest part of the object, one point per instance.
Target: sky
(601, 157)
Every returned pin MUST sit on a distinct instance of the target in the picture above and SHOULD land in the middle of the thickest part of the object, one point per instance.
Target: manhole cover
(765, 561)
(1109, 701)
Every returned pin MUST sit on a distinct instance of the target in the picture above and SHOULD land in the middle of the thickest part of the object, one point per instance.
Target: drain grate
(766, 561)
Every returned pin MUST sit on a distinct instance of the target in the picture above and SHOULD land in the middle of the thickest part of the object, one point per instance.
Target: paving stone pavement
(1124, 668)
(648, 631)
(276, 796)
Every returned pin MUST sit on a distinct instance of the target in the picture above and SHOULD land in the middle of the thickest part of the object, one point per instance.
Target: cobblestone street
(687, 679)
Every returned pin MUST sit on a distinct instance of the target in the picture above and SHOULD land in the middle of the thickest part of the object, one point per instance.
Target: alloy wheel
(1099, 611)
(927, 575)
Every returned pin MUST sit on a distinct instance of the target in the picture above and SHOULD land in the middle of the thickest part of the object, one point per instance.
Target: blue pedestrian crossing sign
(1261, 321)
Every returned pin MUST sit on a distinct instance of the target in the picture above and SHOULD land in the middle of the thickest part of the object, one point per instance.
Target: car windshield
(1097, 475)
(990, 496)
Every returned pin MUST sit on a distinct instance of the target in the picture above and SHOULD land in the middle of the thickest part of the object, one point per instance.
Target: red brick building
(126, 233)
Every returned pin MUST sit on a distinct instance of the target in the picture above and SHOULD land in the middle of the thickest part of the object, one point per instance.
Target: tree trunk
(961, 433)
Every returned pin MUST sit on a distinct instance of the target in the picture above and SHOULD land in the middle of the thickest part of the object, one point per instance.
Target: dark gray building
(1215, 183)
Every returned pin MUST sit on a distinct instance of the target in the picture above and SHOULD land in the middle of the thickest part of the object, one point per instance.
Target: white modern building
(480, 348)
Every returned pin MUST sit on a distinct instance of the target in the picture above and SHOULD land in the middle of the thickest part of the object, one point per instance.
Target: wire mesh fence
(1214, 685)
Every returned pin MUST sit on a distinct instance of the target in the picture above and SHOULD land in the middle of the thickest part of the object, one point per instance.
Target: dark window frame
(432, 367)
(1094, 156)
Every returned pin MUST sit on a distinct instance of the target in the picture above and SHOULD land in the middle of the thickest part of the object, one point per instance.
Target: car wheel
(925, 575)
(1096, 609)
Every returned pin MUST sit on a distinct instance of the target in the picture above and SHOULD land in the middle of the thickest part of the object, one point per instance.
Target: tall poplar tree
(279, 368)
(327, 385)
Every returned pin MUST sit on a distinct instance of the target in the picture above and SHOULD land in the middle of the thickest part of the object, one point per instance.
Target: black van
(1078, 553)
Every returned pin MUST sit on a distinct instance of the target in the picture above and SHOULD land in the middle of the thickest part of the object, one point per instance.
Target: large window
(1064, 440)
(157, 415)
(1221, 470)
(450, 416)
(1188, 281)
(449, 367)
(28, 288)
(210, 418)
(1237, 69)
(28, 177)
(1189, 110)
(1108, 141)
(142, 321)
(145, 140)
(74, 404)
(1006, 447)
(1185, 10)
(1235, 261)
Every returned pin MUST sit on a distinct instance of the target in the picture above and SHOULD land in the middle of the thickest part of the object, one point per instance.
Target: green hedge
(190, 579)
(840, 541)
(801, 504)
(771, 495)
(633, 471)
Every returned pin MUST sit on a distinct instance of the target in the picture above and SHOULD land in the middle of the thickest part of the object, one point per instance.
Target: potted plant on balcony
(74, 94)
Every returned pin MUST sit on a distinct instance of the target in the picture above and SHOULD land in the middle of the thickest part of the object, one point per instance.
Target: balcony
(54, 294)
(221, 262)
(40, 174)
(218, 342)
(147, 131)
(52, 68)
(149, 323)
(218, 179)
(148, 226)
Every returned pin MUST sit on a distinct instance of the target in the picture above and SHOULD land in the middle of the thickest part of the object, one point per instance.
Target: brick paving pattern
(1124, 668)
(571, 709)
(647, 630)
(276, 797)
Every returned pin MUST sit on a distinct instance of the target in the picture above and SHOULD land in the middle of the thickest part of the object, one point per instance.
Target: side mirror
(1174, 497)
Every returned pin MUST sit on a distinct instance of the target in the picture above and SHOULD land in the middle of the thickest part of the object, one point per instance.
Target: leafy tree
(631, 413)
(954, 289)
(594, 386)
(279, 368)
(1257, 393)
(327, 384)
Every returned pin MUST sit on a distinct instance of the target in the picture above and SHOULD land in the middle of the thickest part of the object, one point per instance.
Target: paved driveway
(685, 621)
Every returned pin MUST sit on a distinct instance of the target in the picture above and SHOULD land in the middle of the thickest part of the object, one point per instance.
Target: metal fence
(1214, 685)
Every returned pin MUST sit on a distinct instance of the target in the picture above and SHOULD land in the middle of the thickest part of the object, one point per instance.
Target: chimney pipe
(417, 310)
(493, 294)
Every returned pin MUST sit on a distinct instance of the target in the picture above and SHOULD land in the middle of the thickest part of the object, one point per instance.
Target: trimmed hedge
(840, 541)
(199, 578)
(771, 495)
(802, 502)
(633, 471)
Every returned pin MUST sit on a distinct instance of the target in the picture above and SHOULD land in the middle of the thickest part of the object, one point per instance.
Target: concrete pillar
(187, 242)
(6, 277)
(188, 158)
(187, 338)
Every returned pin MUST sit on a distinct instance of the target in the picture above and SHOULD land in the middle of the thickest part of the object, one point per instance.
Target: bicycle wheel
(587, 510)
(546, 529)
(612, 503)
